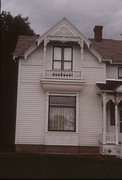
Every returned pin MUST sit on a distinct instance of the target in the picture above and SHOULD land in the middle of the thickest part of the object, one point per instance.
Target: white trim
(77, 112)
(57, 85)
(64, 21)
(47, 110)
(18, 103)
(116, 124)
(95, 53)
(104, 118)
(114, 80)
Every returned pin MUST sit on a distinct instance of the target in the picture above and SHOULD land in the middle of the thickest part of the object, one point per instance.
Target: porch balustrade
(109, 138)
(72, 75)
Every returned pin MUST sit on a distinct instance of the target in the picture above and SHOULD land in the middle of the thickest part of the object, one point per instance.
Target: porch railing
(62, 75)
(110, 138)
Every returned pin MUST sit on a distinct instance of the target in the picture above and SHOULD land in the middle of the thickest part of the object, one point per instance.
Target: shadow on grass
(26, 166)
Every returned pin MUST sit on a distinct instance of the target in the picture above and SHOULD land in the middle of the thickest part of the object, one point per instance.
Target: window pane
(67, 65)
(63, 100)
(62, 113)
(67, 54)
(57, 53)
(57, 65)
(120, 72)
(62, 119)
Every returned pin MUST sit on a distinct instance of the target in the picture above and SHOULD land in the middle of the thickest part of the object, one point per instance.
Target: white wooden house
(69, 96)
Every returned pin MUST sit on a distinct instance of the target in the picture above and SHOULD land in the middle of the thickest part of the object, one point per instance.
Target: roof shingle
(24, 43)
(109, 49)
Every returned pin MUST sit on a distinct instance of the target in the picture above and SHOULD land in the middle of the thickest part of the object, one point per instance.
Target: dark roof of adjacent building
(24, 43)
(109, 85)
(108, 48)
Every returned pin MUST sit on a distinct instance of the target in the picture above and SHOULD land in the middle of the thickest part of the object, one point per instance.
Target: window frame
(120, 77)
(62, 58)
(65, 107)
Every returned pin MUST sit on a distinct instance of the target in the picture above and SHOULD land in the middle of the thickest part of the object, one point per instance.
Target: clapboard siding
(94, 74)
(31, 101)
(90, 116)
(31, 114)
(31, 73)
(93, 70)
(35, 58)
(112, 72)
(76, 58)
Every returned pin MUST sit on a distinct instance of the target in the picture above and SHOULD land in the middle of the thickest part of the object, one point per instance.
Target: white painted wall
(112, 72)
(31, 111)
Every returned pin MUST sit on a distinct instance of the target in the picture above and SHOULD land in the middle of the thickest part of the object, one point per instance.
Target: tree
(11, 27)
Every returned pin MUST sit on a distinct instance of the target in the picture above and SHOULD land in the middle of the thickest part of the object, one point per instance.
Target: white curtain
(62, 118)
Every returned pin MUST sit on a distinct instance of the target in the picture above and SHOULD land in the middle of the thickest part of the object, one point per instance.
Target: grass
(58, 167)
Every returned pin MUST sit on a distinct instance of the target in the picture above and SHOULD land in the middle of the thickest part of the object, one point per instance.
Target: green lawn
(58, 167)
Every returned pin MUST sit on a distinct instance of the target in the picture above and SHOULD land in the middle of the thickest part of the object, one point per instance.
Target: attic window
(62, 58)
(119, 72)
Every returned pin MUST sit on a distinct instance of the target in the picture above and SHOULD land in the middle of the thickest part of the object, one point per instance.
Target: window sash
(63, 55)
(57, 53)
(67, 54)
(62, 116)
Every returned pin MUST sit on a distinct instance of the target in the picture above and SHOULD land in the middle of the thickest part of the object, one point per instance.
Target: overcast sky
(84, 14)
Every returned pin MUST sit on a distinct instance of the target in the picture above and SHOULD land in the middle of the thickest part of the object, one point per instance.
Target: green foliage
(10, 28)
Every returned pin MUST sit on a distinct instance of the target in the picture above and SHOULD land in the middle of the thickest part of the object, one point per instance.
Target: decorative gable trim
(63, 30)
(65, 27)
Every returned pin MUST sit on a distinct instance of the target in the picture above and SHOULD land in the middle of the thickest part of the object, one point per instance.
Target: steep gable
(64, 29)
(107, 49)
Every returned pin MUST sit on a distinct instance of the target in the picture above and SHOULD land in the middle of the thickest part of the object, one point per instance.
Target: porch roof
(109, 85)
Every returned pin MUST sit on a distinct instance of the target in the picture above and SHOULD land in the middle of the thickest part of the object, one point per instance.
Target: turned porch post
(116, 123)
(104, 119)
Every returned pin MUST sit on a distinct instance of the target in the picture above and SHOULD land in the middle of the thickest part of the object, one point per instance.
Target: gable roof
(66, 24)
(108, 48)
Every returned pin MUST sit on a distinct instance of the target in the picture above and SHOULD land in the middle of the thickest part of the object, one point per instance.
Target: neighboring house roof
(110, 85)
(23, 44)
(108, 48)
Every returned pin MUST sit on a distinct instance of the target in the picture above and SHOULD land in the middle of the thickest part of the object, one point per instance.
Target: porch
(110, 139)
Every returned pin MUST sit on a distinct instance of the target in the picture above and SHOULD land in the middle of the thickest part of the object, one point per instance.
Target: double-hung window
(62, 58)
(62, 113)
